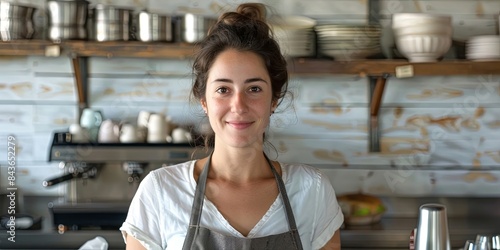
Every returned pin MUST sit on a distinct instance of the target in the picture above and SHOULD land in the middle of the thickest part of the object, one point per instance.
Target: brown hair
(243, 30)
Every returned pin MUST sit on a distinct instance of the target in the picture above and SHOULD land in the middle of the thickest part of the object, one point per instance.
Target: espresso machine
(102, 178)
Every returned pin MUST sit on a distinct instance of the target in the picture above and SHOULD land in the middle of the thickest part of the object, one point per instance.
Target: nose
(239, 103)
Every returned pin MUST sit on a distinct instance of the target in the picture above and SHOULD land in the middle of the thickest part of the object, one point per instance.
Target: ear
(274, 105)
(204, 104)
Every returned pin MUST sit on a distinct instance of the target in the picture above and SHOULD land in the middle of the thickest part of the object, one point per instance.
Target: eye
(255, 89)
(222, 90)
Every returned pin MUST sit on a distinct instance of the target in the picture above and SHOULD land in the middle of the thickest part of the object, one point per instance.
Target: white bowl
(404, 19)
(423, 48)
(438, 29)
(292, 22)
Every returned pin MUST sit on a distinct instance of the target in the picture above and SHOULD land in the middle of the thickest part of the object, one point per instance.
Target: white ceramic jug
(109, 132)
(128, 134)
(91, 120)
(157, 129)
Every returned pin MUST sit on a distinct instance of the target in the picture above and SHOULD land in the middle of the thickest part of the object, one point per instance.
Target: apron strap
(200, 195)
(288, 208)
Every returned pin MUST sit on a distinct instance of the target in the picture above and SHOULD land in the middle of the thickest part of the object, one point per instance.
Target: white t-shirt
(160, 211)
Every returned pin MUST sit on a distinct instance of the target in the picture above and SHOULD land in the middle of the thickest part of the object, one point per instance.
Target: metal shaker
(432, 230)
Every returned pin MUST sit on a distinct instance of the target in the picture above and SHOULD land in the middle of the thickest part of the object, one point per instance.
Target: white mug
(157, 129)
(128, 134)
(78, 133)
(181, 135)
(109, 132)
(91, 120)
(143, 119)
(157, 123)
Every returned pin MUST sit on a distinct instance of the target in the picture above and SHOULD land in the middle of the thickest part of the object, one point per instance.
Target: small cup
(91, 120)
(78, 133)
(128, 134)
(181, 135)
(157, 129)
(109, 132)
(143, 119)
(157, 123)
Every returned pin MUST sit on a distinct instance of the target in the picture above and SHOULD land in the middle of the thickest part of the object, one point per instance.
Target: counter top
(390, 233)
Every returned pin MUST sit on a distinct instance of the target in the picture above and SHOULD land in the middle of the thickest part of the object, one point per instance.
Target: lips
(240, 125)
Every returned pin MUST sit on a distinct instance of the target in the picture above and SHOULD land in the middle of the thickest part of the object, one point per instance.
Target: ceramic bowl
(423, 48)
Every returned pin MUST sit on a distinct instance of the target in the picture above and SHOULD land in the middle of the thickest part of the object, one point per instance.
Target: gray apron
(203, 238)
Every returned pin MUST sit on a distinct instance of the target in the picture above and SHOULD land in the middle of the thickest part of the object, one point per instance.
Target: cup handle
(98, 118)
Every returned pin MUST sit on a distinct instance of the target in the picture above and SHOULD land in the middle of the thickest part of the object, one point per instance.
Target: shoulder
(301, 172)
(180, 170)
(168, 175)
(304, 177)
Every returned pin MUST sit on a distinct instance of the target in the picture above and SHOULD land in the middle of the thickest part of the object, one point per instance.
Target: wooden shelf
(98, 49)
(388, 67)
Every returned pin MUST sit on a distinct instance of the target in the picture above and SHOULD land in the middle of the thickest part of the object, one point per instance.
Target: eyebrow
(249, 80)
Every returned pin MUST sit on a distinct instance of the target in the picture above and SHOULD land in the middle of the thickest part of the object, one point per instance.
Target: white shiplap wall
(326, 125)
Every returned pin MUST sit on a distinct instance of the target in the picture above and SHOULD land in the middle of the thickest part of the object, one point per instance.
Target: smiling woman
(236, 198)
(238, 99)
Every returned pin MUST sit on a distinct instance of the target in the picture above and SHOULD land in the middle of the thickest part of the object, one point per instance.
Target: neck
(239, 165)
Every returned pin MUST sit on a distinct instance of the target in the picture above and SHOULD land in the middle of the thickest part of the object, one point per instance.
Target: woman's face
(238, 98)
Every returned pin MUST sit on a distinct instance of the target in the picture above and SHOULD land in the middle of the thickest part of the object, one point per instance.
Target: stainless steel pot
(15, 29)
(152, 27)
(16, 21)
(110, 23)
(195, 27)
(58, 33)
(14, 11)
(67, 12)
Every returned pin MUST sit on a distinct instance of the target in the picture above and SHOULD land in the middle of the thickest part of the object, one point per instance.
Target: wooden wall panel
(118, 67)
(143, 89)
(14, 64)
(51, 65)
(415, 183)
(331, 11)
(56, 89)
(16, 86)
(321, 122)
(16, 118)
(440, 123)
(330, 91)
(319, 152)
(453, 91)
(47, 118)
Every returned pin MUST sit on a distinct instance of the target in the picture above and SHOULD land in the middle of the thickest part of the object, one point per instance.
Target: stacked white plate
(483, 48)
(295, 35)
(346, 42)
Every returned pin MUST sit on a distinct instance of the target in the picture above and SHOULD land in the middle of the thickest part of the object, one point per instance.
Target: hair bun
(256, 11)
